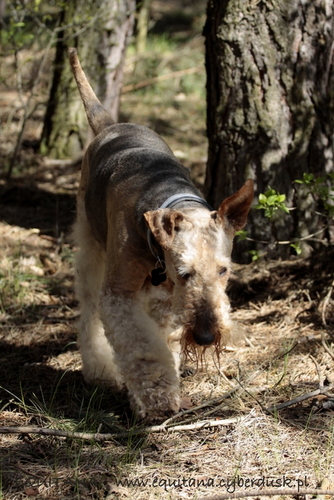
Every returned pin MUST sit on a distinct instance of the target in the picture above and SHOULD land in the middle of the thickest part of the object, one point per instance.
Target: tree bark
(270, 98)
(100, 31)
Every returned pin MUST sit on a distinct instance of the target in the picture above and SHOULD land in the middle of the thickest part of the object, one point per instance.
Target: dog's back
(132, 165)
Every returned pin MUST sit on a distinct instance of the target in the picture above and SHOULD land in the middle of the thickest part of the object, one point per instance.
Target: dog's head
(197, 245)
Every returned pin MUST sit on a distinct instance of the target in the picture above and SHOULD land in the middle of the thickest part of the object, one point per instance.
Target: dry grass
(278, 305)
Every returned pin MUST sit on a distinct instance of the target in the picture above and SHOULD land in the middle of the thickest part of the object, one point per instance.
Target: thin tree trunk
(100, 31)
(2, 11)
(142, 25)
(270, 102)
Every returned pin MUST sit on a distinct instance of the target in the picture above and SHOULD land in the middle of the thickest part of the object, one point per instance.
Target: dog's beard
(200, 330)
(193, 352)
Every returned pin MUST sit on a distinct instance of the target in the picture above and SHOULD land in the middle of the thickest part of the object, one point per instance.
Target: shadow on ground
(29, 206)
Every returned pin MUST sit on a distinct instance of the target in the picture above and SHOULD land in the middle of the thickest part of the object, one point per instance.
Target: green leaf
(271, 200)
(242, 235)
(262, 198)
(297, 248)
(308, 178)
(254, 254)
(270, 192)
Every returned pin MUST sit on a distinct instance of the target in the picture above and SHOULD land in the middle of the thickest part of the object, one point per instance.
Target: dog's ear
(163, 223)
(234, 210)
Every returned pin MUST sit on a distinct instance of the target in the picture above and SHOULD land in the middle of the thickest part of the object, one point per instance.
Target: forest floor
(284, 308)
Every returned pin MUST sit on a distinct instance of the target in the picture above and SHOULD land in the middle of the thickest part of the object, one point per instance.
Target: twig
(321, 377)
(297, 342)
(299, 399)
(293, 240)
(251, 395)
(223, 376)
(91, 436)
(325, 346)
(160, 78)
(269, 493)
(54, 162)
(323, 317)
(325, 303)
(210, 402)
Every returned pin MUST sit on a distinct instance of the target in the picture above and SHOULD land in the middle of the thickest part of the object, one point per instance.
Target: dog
(153, 263)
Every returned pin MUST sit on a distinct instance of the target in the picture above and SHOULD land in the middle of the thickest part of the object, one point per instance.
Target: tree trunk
(100, 31)
(143, 11)
(270, 103)
(2, 11)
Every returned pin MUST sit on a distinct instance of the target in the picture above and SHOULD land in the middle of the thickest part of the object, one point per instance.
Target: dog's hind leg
(96, 352)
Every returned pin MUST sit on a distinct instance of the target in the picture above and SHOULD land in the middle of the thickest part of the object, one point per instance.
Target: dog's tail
(98, 117)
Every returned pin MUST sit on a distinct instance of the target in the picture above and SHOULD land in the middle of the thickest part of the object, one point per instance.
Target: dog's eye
(222, 271)
(186, 276)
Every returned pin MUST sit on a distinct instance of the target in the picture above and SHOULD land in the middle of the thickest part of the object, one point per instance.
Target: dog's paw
(186, 403)
(155, 406)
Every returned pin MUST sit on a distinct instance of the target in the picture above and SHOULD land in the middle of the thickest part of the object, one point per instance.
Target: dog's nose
(204, 327)
(204, 337)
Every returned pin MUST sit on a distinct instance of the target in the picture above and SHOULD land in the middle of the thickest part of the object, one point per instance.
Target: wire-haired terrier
(153, 264)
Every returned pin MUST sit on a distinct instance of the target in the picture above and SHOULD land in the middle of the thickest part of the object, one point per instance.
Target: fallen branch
(97, 436)
(299, 399)
(151, 81)
(167, 426)
(55, 432)
(269, 493)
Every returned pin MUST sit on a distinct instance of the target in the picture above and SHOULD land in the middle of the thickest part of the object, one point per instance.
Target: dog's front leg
(142, 355)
